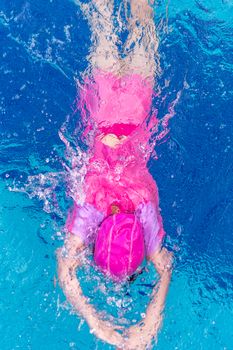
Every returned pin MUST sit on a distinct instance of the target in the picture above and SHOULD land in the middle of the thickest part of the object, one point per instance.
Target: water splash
(77, 134)
(54, 188)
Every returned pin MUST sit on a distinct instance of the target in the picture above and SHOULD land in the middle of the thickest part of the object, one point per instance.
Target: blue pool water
(43, 50)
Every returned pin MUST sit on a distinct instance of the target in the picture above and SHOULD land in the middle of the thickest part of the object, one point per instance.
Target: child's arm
(68, 262)
(141, 335)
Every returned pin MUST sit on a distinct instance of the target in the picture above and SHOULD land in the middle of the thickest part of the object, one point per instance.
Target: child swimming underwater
(121, 215)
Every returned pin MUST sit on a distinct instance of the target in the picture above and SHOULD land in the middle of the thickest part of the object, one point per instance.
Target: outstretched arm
(141, 335)
(68, 261)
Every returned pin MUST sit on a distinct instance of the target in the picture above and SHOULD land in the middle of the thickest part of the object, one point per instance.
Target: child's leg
(142, 44)
(104, 53)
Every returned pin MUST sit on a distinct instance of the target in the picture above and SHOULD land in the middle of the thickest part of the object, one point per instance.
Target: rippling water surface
(43, 52)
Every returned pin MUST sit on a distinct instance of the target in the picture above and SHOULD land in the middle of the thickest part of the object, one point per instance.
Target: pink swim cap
(119, 246)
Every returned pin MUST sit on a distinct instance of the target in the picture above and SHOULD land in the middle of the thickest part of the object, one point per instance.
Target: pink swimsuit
(112, 100)
(118, 176)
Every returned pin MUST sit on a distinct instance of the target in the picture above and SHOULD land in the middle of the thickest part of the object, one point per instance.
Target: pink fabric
(119, 246)
(119, 129)
(111, 99)
(152, 223)
(119, 175)
(83, 221)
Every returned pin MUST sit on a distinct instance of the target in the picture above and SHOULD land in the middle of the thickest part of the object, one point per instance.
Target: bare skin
(141, 335)
(68, 264)
(141, 45)
(142, 58)
(135, 337)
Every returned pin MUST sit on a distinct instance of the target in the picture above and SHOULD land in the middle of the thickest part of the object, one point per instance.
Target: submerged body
(121, 215)
(117, 178)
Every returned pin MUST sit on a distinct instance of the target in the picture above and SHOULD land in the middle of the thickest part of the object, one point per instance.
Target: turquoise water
(44, 47)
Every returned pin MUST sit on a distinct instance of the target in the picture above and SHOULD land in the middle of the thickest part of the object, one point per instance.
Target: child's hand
(107, 332)
(140, 336)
